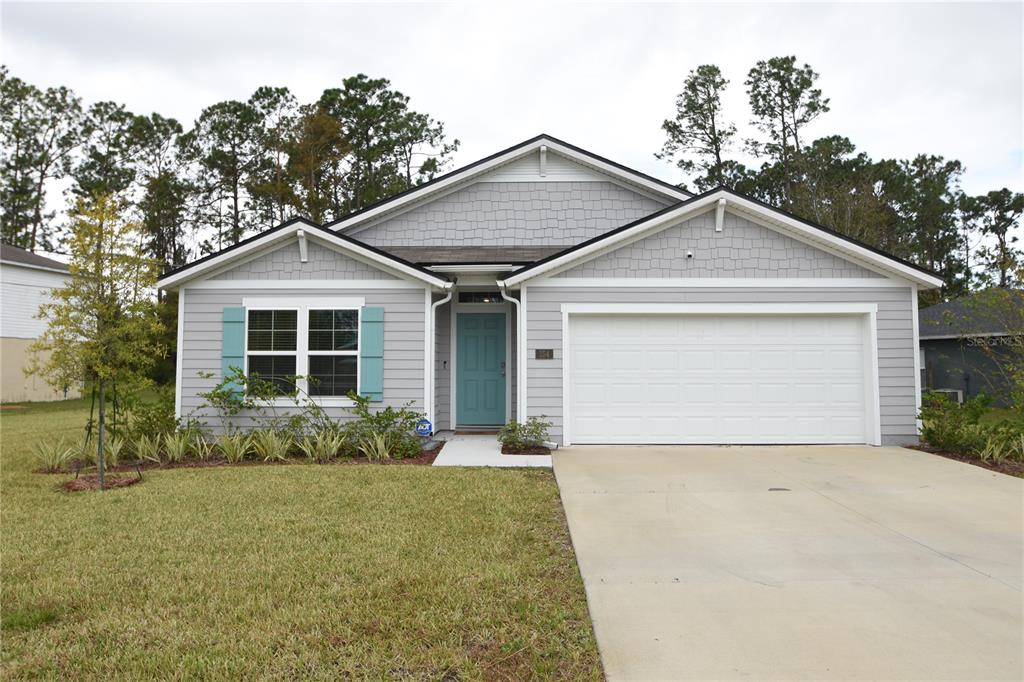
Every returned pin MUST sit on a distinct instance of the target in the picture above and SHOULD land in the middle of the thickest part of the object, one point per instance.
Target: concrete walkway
(797, 563)
(483, 450)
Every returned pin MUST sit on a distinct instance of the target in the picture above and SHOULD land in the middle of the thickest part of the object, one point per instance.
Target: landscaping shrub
(958, 429)
(177, 445)
(375, 446)
(201, 448)
(271, 445)
(147, 448)
(396, 428)
(234, 446)
(156, 418)
(323, 445)
(523, 436)
(112, 448)
(53, 455)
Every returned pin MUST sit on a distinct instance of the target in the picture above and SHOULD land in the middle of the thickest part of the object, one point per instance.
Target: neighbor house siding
(404, 320)
(895, 340)
(284, 263)
(514, 214)
(741, 249)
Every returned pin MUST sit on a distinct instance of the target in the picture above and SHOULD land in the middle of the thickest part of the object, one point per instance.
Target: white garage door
(717, 379)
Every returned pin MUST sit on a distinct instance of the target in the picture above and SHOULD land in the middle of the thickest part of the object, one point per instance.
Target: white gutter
(520, 352)
(432, 388)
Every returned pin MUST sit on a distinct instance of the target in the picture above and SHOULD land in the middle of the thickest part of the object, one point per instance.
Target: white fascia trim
(460, 178)
(291, 232)
(719, 308)
(719, 282)
(693, 208)
(305, 284)
(179, 359)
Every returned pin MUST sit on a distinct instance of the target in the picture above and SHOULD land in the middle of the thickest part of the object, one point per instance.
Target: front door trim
(502, 307)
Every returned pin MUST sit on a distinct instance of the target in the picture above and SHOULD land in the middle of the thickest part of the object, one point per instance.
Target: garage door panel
(726, 379)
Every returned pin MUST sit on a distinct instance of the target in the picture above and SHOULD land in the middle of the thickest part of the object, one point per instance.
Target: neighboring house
(547, 280)
(25, 282)
(967, 344)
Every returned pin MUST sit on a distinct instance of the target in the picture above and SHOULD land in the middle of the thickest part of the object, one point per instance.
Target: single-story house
(969, 344)
(26, 279)
(546, 280)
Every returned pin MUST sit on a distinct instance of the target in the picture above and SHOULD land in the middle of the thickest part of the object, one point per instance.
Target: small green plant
(177, 445)
(234, 446)
(154, 419)
(323, 445)
(147, 448)
(201, 448)
(271, 445)
(54, 455)
(376, 446)
(523, 436)
(112, 448)
(398, 426)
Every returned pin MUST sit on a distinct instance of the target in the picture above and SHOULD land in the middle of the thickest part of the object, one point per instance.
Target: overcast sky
(903, 79)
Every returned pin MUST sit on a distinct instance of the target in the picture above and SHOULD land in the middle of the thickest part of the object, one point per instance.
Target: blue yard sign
(424, 428)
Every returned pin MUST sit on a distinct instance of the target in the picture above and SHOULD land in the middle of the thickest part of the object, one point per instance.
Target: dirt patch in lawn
(92, 482)
(539, 450)
(1009, 468)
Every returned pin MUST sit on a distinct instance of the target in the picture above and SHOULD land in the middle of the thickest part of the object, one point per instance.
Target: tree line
(911, 208)
(241, 167)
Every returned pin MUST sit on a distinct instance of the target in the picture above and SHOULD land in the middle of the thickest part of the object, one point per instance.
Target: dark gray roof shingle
(12, 254)
(992, 311)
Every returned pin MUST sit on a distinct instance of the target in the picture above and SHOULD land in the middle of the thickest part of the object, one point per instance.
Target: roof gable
(763, 214)
(992, 312)
(518, 162)
(297, 229)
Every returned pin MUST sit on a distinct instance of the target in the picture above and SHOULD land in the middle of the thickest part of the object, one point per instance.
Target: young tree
(783, 100)
(101, 326)
(699, 136)
(992, 216)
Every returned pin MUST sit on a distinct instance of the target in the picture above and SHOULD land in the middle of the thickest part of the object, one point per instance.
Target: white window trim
(302, 351)
(872, 402)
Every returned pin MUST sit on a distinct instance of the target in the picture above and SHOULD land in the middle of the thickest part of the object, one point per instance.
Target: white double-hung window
(312, 347)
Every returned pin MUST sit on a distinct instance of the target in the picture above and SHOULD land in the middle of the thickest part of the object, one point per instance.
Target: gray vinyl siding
(513, 214)
(404, 320)
(895, 340)
(741, 249)
(284, 263)
(443, 368)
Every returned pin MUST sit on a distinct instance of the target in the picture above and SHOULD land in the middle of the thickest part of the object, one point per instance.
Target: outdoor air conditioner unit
(954, 393)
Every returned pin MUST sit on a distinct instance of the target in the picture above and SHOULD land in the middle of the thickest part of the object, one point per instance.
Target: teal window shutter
(371, 354)
(232, 351)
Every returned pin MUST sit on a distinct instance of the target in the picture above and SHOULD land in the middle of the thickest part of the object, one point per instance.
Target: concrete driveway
(797, 563)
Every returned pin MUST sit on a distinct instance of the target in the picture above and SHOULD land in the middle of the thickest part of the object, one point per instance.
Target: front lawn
(294, 571)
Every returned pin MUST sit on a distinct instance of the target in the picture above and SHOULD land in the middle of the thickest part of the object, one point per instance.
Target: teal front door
(480, 369)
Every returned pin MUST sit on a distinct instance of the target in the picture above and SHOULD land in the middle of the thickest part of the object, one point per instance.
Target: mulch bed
(1009, 468)
(92, 482)
(540, 450)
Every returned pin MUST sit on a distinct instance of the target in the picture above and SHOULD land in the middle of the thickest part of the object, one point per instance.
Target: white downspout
(432, 389)
(520, 368)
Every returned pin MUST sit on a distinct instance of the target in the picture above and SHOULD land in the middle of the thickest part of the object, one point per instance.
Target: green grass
(295, 571)
(996, 414)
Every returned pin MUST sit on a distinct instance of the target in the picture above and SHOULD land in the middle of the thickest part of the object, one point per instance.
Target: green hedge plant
(533, 433)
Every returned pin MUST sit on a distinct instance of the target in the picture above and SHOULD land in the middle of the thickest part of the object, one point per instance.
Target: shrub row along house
(547, 280)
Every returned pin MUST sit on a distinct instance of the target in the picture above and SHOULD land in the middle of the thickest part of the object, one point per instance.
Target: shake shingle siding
(741, 249)
(895, 340)
(284, 263)
(404, 321)
(513, 214)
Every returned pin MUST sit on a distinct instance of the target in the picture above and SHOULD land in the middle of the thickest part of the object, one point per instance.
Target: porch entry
(480, 369)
